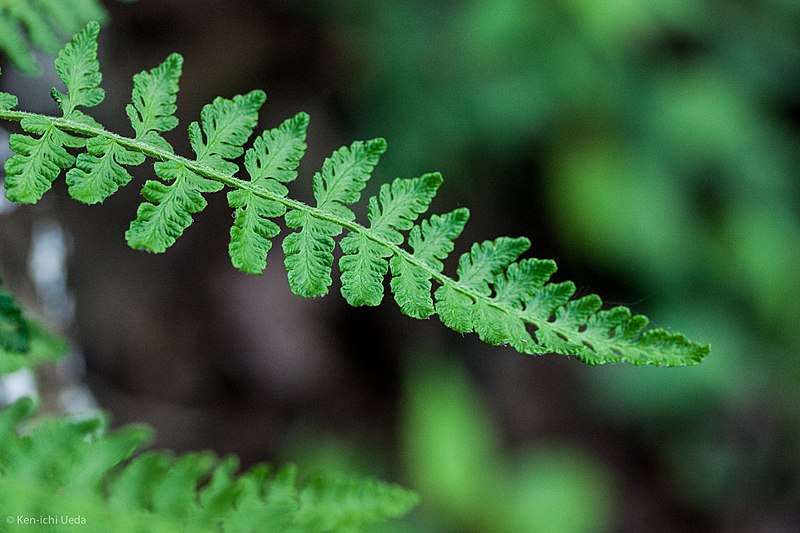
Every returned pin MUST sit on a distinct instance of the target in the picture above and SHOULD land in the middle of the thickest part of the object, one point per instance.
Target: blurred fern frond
(63, 472)
(28, 25)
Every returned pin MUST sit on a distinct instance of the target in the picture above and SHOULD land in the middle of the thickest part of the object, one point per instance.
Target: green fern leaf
(160, 222)
(78, 68)
(309, 252)
(431, 241)
(364, 264)
(273, 158)
(614, 335)
(226, 126)
(274, 511)
(342, 503)
(7, 101)
(571, 327)
(100, 172)
(476, 269)
(38, 160)
(518, 284)
(154, 95)
(63, 466)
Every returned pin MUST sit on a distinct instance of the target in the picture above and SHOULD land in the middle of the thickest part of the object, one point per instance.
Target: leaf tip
(433, 179)
(377, 145)
(257, 97)
(175, 59)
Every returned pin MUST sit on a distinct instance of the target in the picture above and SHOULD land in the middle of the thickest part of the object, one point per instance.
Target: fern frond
(309, 252)
(272, 161)
(476, 270)
(78, 68)
(431, 242)
(168, 212)
(7, 101)
(226, 126)
(39, 160)
(76, 468)
(504, 299)
(101, 171)
(154, 95)
(364, 264)
(42, 24)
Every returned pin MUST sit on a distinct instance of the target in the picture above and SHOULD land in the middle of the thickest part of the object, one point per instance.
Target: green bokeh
(664, 137)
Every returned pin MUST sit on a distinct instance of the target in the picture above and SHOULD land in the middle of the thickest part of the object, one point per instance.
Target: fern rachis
(494, 294)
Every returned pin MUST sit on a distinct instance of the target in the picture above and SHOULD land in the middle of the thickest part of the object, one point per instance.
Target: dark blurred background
(650, 147)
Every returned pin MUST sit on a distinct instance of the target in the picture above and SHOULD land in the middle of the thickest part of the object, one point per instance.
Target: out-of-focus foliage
(14, 331)
(664, 136)
(26, 25)
(64, 469)
(23, 342)
(467, 484)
